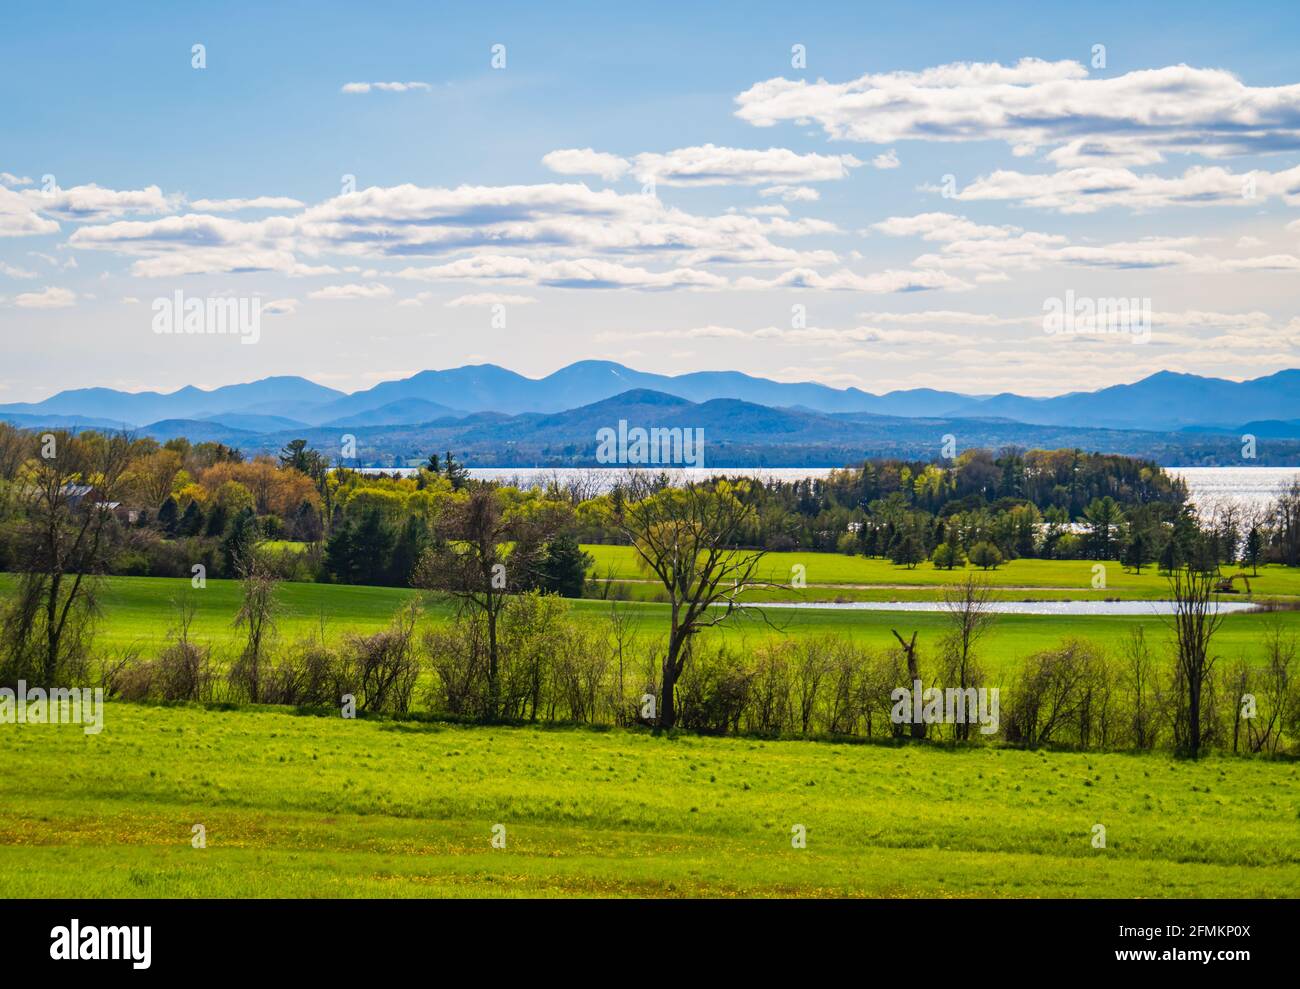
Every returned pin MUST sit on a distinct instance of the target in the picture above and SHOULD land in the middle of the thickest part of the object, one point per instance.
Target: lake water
(1149, 609)
(1250, 486)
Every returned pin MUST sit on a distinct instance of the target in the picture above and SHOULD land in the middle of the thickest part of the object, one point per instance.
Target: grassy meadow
(318, 806)
(140, 612)
(296, 804)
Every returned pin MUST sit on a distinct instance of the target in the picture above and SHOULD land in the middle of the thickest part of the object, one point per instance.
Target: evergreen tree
(191, 523)
(240, 542)
(168, 516)
(564, 571)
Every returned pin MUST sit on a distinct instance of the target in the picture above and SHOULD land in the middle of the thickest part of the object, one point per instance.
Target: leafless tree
(1195, 620)
(968, 609)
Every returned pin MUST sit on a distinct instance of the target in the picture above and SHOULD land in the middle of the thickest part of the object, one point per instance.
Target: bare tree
(968, 608)
(1195, 620)
(68, 489)
(913, 676)
(257, 616)
(687, 538)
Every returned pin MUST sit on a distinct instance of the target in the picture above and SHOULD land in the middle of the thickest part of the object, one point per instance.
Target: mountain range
(506, 417)
(1163, 401)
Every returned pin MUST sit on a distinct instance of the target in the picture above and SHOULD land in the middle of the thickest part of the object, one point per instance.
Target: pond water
(1113, 608)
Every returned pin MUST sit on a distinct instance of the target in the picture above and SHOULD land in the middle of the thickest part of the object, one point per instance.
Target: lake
(1139, 608)
(1249, 486)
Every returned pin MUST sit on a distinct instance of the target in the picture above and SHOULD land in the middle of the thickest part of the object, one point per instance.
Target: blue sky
(522, 188)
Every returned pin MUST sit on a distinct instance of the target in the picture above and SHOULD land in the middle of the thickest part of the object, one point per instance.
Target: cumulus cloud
(564, 220)
(1137, 117)
(1085, 190)
(887, 160)
(93, 203)
(983, 248)
(586, 161)
(19, 219)
(706, 165)
(48, 298)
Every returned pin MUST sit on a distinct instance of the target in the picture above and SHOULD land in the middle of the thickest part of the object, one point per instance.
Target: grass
(834, 575)
(139, 611)
(315, 806)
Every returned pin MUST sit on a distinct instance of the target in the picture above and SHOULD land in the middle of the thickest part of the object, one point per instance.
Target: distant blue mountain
(1165, 401)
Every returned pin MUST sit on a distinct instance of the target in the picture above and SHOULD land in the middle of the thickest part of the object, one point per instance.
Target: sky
(885, 196)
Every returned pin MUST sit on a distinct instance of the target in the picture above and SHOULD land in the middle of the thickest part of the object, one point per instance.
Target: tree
(68, 487)
(456, 473)
(907, 549)
(257, 617)
(1137, 554)
(360, 550)
(564, 570)
(1254, 548)
(1105, 521)
(687, 537)
(985, 555)
(168, 516)
(191, 522)
(913, 676)
(946, 556)
(240, 543)
(472, 559)
(968, 608)
(1195, 620)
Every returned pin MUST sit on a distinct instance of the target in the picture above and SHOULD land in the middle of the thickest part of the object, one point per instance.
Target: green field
(316, 806)
(833, 575)
(139, 611)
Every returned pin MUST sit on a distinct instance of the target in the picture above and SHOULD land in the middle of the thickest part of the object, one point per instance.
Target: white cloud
(1135, 118)
(849, 281)
(560, 220)
(373, 290)
(1085, 190)
(706, 165)
(887, 160)
(792, 193)
(385, 87)
(12, 272)
(280, 307)
(9, 179)
(48, 298)
(257, 202)
(586, 161)
(579, 273)
(489, 299)
(19, 219)
(93, 203)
